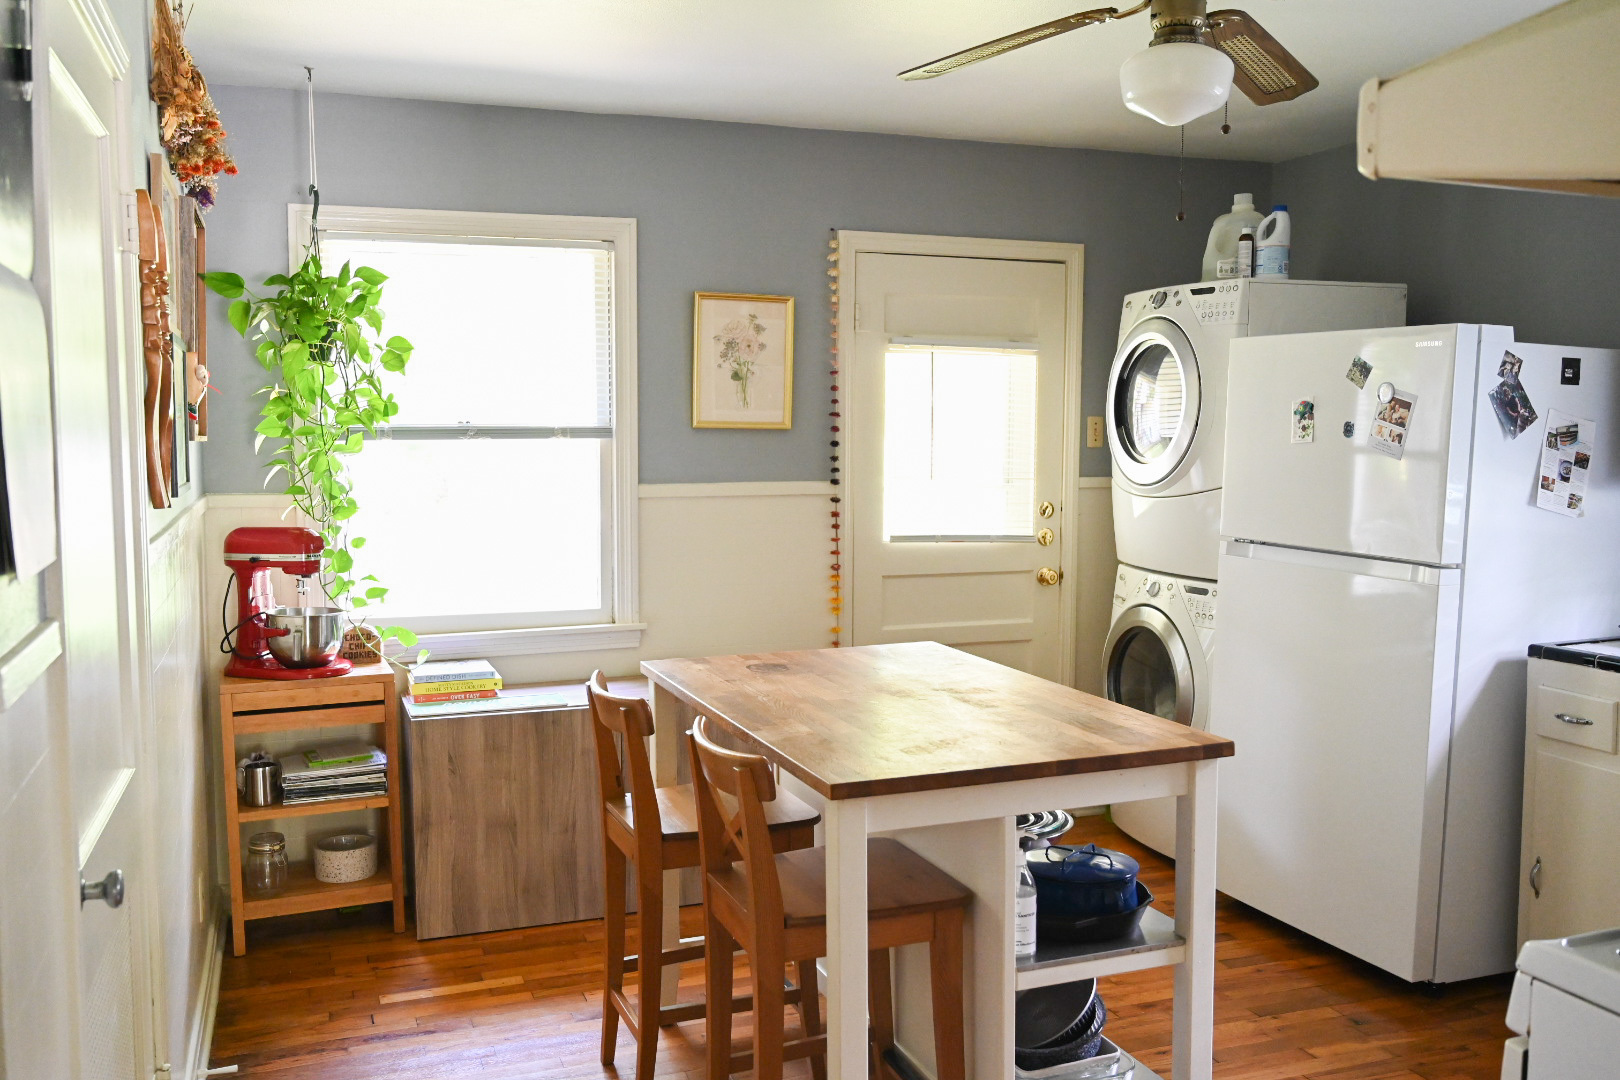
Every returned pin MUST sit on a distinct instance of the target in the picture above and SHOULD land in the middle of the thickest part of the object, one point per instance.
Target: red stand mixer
(274, 642)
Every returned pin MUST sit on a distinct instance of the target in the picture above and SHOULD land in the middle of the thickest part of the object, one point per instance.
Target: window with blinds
(489, 504)
(958, 444)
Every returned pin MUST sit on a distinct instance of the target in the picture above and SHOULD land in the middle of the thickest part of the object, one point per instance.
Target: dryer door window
(1154, 392)
(1148, 667)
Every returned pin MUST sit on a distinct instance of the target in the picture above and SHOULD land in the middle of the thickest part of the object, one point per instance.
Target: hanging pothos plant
(321, 336)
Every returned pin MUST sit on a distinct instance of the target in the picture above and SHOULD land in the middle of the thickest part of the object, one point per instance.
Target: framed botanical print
(742, 361)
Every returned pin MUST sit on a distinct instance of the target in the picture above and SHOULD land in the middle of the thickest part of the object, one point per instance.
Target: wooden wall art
(156, 349)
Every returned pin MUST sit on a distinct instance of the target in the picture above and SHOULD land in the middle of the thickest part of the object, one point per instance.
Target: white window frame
(624, 632)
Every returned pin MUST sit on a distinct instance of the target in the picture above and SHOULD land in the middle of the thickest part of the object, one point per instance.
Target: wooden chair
(655, 828)
(774, 906)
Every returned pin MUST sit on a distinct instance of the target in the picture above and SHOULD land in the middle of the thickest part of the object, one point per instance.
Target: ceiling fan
(1186, 71)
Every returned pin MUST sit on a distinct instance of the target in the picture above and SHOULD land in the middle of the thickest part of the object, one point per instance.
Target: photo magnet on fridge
(1391, 422)
(1512, 405)
(1359, 370)
(1304, 428)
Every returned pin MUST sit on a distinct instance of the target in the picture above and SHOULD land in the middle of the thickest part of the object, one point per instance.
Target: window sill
(479, 644)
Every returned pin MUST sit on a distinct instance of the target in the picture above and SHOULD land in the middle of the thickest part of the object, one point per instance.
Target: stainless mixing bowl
(314, 635)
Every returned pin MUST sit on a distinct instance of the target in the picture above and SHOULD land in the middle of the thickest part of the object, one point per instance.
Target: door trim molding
(852, 243)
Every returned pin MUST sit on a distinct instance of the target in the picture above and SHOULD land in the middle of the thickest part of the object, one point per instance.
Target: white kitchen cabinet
(1570, 856)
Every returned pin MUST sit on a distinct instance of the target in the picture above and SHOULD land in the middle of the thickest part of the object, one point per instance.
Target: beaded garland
(835, 600)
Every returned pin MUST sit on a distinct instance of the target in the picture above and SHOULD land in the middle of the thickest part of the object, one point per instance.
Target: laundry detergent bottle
(1272, 241)
(1220, 254)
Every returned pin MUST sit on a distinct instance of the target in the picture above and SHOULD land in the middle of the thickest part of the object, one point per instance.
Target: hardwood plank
(308, 1004)
(883, 719)
(443, 991)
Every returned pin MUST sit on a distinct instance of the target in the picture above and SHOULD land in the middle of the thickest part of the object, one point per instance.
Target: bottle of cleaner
(1220, 254)
(1272, 240)
(1245, 252)
(1024, 910)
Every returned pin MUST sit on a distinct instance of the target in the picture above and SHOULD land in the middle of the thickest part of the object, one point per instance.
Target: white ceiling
(823, 63)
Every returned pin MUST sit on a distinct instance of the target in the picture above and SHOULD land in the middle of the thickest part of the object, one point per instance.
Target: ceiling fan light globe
(1176, 82)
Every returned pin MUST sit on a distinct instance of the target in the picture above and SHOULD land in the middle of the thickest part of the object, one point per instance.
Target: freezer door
(1334, 680)
(1385, 478)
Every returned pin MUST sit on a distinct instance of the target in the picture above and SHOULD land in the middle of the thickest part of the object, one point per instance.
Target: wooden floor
(340, 997)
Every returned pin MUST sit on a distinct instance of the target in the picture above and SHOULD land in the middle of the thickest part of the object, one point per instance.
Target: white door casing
(81, 118)
(911, 292)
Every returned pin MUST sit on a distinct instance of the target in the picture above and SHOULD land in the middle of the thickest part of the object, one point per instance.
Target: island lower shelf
(1155, 943)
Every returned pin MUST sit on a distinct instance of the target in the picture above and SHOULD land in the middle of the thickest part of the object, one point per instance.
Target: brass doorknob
(1046, 509)
(1048, 576)
(1045, 537)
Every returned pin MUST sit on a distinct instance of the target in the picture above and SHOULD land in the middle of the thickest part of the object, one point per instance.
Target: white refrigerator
(1384, 566)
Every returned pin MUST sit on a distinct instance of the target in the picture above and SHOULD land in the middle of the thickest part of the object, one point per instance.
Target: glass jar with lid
(266, 871)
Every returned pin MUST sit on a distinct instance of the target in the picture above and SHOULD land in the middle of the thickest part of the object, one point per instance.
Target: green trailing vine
(321, 337)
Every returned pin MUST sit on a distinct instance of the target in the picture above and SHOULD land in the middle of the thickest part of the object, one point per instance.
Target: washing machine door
(1146, 665)
(1153, 396)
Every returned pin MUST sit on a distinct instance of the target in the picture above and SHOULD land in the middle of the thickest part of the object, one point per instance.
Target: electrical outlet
(1094, 431)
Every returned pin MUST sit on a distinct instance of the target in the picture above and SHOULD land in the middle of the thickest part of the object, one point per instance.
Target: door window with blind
(959, 444)
(494, 501)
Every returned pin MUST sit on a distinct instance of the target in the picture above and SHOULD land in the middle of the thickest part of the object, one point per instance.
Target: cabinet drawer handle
(1578, 721)
(1535, 878)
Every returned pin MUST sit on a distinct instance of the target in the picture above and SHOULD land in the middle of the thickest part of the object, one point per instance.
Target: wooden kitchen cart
(367, 695)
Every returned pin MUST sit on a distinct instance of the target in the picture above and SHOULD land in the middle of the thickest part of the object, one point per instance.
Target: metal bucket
(313, 638)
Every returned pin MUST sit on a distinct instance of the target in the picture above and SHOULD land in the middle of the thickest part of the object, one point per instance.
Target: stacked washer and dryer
(1166, 427)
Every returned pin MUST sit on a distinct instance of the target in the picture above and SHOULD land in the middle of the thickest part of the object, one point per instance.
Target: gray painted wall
(1545, 264)
(725, 207)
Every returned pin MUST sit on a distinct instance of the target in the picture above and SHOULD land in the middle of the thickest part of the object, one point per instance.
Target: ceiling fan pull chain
(1181, 178)
(1226, 119)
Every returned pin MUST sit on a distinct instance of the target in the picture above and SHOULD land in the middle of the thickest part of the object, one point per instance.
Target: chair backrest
(617, 720)
(731, 790)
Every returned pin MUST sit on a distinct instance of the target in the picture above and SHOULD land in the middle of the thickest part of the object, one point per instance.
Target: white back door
(1388, 479)
(955, 398)
(80, 283)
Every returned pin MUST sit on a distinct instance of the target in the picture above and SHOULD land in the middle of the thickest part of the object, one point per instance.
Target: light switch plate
(1094, 431)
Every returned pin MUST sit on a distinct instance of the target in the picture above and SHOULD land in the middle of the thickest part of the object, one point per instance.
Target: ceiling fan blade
(1266, 72)
(1015, 41)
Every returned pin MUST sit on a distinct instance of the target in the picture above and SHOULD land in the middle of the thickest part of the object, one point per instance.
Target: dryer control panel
(1216, 302)
(1200, 601)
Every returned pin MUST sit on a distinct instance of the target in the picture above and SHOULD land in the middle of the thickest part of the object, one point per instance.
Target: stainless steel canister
(259, 779)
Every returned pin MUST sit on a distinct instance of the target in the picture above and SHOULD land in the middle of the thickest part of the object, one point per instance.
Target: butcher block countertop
(884, 719)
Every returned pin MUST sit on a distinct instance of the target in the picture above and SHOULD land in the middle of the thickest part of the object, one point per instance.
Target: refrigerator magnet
(1304, 429)
(1392, 420)
(1359, 370)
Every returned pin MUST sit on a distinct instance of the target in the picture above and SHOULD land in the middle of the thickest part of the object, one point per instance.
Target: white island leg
(844, 822)
(1192, 1037)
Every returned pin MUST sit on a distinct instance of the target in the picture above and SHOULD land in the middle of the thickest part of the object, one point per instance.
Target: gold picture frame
(742, 361)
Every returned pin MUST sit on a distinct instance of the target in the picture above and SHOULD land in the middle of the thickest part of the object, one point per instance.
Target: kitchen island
(941, 749)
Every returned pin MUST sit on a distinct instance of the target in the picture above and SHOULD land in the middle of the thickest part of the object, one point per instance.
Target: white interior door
(956, 397)
(80, 285)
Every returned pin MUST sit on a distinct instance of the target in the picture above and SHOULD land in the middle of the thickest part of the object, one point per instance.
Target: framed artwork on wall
(742, 361)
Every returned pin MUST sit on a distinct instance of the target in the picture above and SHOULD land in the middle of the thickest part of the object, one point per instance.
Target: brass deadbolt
(1045, 537)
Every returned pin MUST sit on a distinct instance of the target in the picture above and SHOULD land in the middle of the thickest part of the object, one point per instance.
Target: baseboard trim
(201, 1043)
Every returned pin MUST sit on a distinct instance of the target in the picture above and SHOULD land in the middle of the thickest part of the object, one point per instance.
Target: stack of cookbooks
(346, 770)
(453, 680)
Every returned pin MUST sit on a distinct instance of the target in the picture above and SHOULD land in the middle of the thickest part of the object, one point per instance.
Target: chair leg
(613, 920)
(810, 1014)
(767, 963)
(945, 973)
(650, 968)
(880, 1006)
(717, 972)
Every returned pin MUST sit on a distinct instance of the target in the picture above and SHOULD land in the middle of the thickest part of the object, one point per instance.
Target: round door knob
(109, 889)
(1045, 537)
(1046, 509)
(1048, 576)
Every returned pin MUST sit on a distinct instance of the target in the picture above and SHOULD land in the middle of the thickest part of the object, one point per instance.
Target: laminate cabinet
(505, 813)
(1570, 854)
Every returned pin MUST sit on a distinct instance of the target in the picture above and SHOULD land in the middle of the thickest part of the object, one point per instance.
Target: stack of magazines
(346, 770)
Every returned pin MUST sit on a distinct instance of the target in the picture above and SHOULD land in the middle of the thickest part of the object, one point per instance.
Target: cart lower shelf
(304, 893)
